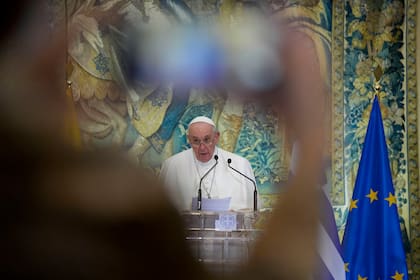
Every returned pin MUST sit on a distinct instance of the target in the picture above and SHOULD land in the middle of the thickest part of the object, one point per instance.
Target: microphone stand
(199, 195)
(229, 161)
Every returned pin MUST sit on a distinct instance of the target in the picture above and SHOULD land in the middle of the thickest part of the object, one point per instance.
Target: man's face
(203, 139)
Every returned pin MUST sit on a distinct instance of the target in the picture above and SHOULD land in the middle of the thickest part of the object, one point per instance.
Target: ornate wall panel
(373, 52)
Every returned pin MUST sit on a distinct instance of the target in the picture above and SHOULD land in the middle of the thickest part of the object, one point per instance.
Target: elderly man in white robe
(217, 170)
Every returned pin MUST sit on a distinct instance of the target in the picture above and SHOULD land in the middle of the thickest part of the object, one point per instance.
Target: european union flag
(372, 243)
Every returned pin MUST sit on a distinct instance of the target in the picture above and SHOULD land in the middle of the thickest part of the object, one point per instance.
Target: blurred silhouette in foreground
(73, 214)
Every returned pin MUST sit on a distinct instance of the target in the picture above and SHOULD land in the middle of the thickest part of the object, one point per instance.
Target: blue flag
(372, 242)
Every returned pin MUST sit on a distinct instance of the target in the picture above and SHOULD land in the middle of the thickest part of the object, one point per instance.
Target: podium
(222, 241)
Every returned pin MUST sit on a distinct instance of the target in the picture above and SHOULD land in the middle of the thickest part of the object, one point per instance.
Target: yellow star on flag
(391, 199)
(361, 278)
(372, 195)
(398, 276)
(346, 267)
(353, 204)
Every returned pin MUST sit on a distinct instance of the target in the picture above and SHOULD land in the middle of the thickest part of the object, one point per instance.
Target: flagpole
(377, 88)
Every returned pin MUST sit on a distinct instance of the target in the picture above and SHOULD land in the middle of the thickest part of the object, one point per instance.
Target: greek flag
(330, 262)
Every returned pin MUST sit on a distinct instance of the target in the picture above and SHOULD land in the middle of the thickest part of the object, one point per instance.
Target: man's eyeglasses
(197, 142)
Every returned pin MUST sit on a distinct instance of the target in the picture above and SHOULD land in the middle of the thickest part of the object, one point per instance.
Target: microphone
(216, 157)
(229, 161)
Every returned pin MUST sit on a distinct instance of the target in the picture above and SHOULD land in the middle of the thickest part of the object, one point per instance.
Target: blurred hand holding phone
(241, 55)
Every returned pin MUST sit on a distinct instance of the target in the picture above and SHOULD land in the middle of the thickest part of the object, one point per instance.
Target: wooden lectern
(221, 240)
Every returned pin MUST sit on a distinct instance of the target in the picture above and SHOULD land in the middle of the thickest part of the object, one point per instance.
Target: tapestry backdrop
(148, 120)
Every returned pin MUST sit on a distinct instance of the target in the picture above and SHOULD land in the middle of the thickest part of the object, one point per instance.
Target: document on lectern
(212, 204)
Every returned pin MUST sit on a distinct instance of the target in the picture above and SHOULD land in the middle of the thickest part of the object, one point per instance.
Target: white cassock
(181, 174)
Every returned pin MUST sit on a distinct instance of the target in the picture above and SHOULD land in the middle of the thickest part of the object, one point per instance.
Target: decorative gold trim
(412, 142)
(337, 50)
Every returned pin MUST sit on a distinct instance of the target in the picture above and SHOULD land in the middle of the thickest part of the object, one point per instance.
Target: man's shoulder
(233, 156)
(178, 156)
